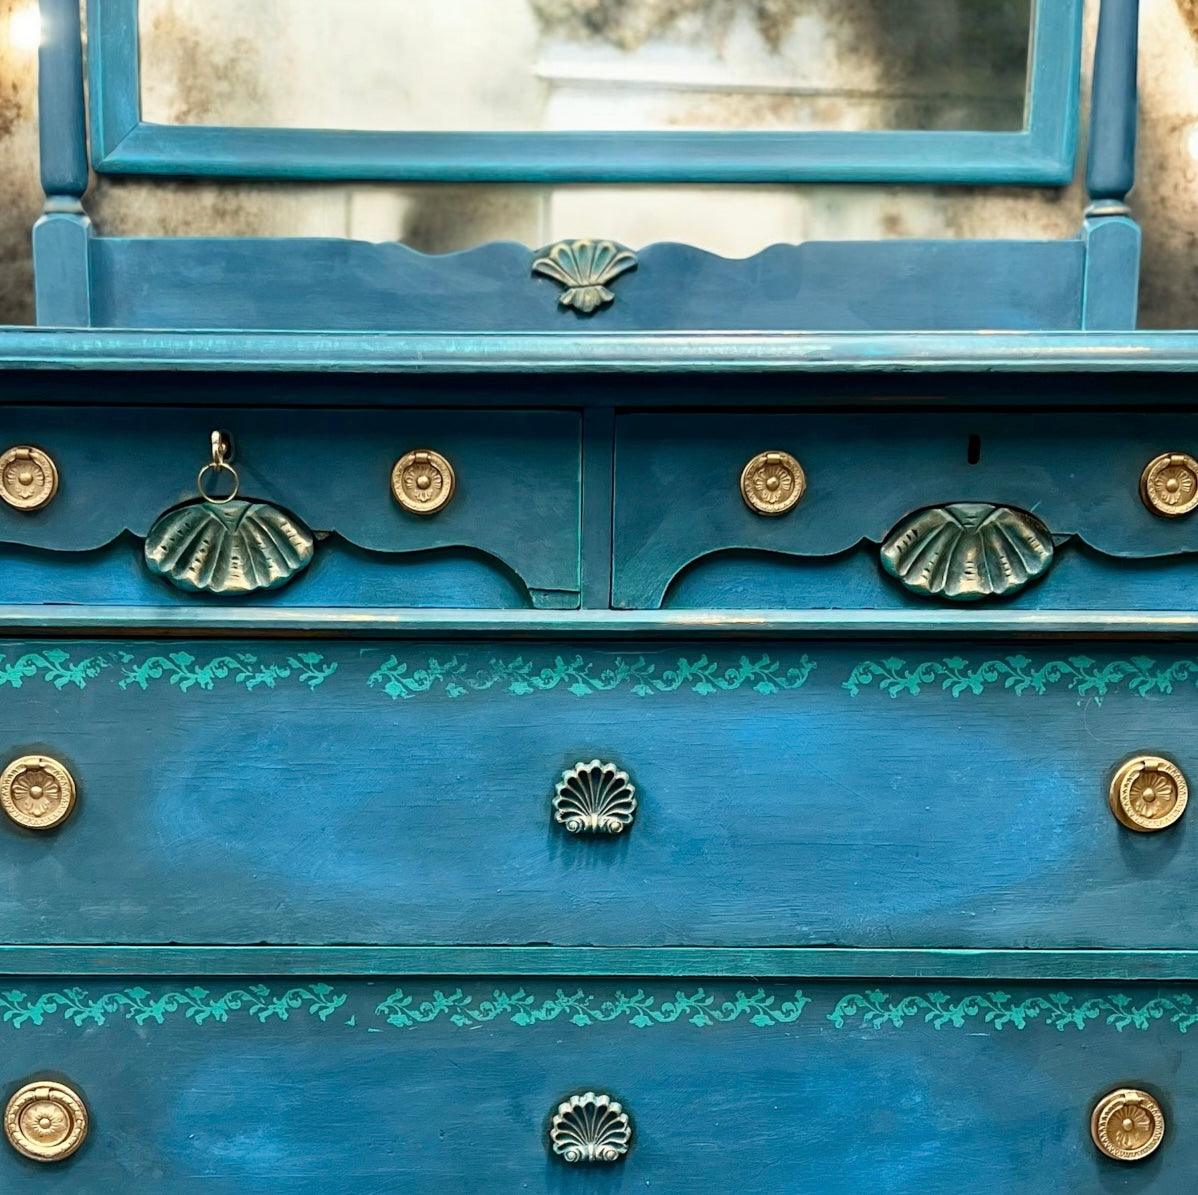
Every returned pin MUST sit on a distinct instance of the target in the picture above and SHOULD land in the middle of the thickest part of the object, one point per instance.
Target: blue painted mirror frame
(1042, 153)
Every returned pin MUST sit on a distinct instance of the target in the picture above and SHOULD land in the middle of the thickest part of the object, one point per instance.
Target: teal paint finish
(678, 500)
(62, 140)
(1111, 164)
(497, 539)
(716, 1104)
(1041, 154)
(829, 835)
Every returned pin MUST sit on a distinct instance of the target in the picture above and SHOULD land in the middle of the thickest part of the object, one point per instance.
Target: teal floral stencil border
(760, 1008)
(196, 1004)
(582, 1008)
(877, 1010)
(181, 669)
(457, 677)
(1082, 675)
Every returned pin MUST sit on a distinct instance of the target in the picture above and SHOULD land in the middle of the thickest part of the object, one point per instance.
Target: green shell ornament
(228, 548)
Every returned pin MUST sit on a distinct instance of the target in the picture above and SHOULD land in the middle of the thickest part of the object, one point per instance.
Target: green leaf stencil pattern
(1079, 674)
(582, 677)
(185, 671)
(137, 1004)
(53, 666)
(581, 1008)
(876, 1010)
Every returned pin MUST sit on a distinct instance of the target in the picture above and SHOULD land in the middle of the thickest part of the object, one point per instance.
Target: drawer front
(497, 539)
(685, 534)
(856, 794)
(222, 1087)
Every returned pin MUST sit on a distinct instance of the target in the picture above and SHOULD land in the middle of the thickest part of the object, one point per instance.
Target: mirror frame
(1042, 153)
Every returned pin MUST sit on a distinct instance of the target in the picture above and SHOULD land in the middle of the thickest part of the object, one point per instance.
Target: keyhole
(973, 453)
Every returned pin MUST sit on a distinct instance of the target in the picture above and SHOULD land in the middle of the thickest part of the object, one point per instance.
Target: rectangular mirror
(588, 90)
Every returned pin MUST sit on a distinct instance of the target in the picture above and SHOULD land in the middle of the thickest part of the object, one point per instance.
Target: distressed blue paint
(335, 479)
(885, 361)
(1111, 160)
(433, 814)
(1042, 154)
(62, 270)
(1111, 291)
(202, 1108)
(62, 140)
(677, 497)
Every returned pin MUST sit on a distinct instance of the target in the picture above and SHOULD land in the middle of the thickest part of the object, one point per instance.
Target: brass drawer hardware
(772, 483)
(37, 791)
(28, 478)
(594, 798)
(590, 1128)
(585, 268)
(225, 545)
(46, 1121)
(1127, 1124)
(968, 551)
(1148, 793)
(1169, 485)
(423, 481)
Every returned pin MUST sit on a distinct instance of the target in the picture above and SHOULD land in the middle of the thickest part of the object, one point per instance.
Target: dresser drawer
(485, 511)
(856, 794)
(227, 1086)
(896, 509)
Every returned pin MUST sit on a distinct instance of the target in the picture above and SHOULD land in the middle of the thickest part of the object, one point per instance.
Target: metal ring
(217, 467)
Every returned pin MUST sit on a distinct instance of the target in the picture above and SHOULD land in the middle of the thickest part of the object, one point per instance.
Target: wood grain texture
(721, 1088)
(864, 795)
(677, 494)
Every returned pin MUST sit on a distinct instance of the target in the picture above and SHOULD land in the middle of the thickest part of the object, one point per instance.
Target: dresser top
(601, 352)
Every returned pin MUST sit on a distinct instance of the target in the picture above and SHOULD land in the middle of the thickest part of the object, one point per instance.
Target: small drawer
(891, 509)
(211, 1086)
(389, 508)
(913, 795)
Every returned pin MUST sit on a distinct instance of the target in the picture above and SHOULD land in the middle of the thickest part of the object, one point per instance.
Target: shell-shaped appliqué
(594, 798)
(590, 1128)
(585, 268)
(228, 548)
(968, 551)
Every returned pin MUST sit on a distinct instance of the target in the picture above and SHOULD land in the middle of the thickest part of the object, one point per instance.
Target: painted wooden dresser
(602, 786)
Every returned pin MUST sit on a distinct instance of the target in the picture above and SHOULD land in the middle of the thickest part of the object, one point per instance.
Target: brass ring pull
(218, 464)
(772, 483)
(423, 481)
(1148, 793)
(46, 1121)
(37, 792)
(590, 1128)
(1169, 485)
(28, 478)
(1127, 1124)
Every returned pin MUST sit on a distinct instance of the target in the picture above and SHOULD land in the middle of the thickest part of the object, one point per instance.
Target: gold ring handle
(590, 1127)
(1127, 1124)
(772, 483)
(1169, 485)
(46, 1121)
(423, 481)
(28, 478)
(1148, 793)
(37, 791)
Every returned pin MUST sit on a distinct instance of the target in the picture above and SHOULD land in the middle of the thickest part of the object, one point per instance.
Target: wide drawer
(1042, 509)
(484, 513)
(291, 1085)
(335, 791)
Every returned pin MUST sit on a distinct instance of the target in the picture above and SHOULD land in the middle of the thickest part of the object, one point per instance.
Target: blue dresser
(548, 776)
(482, 739)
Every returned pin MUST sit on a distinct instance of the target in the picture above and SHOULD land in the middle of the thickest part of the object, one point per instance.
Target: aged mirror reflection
(583, 65)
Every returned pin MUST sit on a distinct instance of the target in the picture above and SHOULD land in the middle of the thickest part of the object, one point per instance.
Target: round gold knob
(1169, 484)
(1127, 1124)
(46, 1121)
(1148, 793)
(772, 483)
(28, 478)
(422, 482)
(37, 791)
